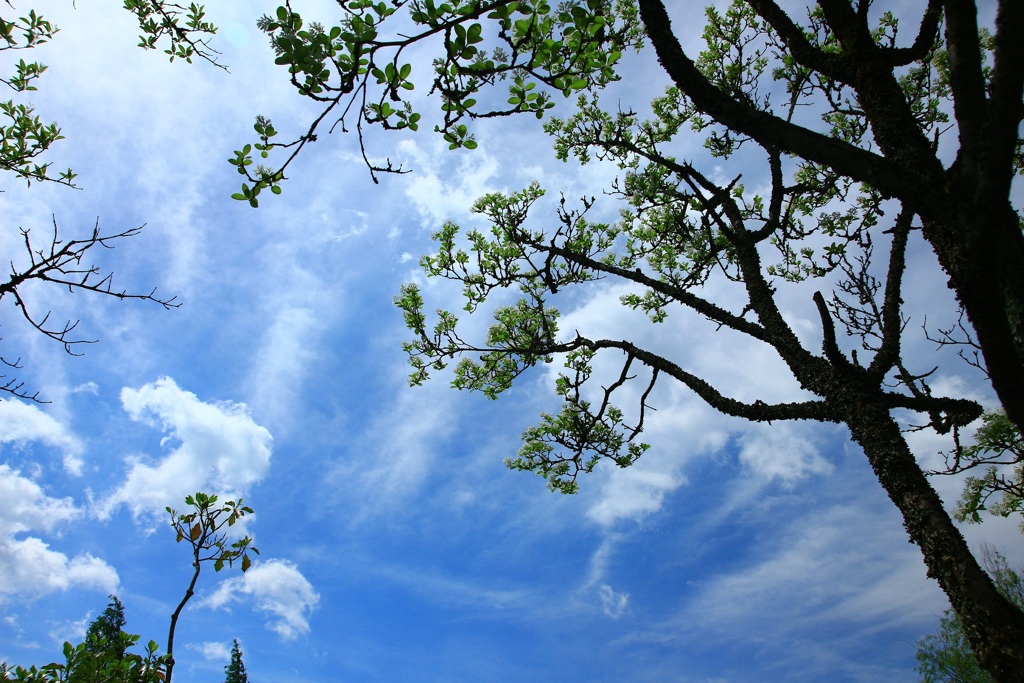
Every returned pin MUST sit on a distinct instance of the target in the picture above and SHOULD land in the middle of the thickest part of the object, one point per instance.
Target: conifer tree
(236, 669)
(104, 632)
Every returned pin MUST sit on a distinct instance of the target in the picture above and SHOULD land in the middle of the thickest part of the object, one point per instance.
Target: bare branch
(62, 263)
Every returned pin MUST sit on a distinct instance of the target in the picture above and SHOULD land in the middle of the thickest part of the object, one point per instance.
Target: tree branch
(60, 263)
(891, 322)
(771, 131)
(965, 77)
(757, 411)
(835, 66)
(1005, 107)
(927, 34)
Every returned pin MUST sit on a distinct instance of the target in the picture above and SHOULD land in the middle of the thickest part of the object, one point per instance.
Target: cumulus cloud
(277, 588)
(220, 449)
(21, 423)
(28, 565)
(631, 494)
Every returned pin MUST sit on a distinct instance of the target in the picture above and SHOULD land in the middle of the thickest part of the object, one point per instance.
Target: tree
(104, 633)
(103, 656)
(54, 261)
(946, 657)
(235, 671)
(850, 125)
(204, 529)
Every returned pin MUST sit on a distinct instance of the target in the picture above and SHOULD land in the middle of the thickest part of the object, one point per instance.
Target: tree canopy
(105, 631)
(868, 142)
(235, 670)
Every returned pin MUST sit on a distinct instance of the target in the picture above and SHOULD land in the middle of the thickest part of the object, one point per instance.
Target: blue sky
(395, 545)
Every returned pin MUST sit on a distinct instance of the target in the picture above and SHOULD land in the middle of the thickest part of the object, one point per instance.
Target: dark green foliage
(96, 661)
(235, 671)
(946, 656)
(104, 633)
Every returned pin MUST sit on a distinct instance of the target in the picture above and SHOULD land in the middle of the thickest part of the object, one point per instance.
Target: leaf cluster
(204, 529)
(361, 66)
(102, 657)
(23, 135)
(83, 665)
(185, 29)
(998, 449)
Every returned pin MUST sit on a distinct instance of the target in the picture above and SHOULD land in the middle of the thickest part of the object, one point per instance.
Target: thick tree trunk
(994, 627)
(980, 246)
(967, 216)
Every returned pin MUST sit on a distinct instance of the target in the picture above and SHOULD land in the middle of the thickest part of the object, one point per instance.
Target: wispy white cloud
(71, 630)
(614, 604)
(828, 568)
(454, 591)
(27, 564)
(780, 452)
(276, 588)
(281, 363)
(682, 429)
(399, 451)
(87, 388)
(220, 449)
(444, 188)
(212, 651)
(631, 494)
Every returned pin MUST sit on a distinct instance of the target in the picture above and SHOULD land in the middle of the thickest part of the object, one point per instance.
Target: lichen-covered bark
(994, 627)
